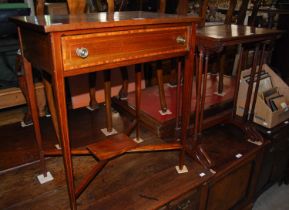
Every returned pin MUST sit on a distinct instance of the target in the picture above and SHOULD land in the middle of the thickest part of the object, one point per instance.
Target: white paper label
(239, 155)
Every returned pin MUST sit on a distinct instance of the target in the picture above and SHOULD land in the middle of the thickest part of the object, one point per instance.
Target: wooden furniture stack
(226, 159)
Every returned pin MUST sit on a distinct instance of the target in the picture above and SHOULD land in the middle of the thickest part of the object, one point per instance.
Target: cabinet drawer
(230, 189)
(79, 51)
(189, 201)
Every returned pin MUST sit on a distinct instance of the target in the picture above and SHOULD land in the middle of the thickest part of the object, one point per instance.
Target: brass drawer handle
(181, 40)
(82, 52)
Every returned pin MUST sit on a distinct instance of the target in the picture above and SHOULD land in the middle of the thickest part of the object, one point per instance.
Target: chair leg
(221, 74)
(93, 105)
(182, 168)
(27, 119)
(124, 89)
(161, 88)
(173, 73)
(138, 75)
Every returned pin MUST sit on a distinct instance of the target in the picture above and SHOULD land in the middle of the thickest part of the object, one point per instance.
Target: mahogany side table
(63, 46)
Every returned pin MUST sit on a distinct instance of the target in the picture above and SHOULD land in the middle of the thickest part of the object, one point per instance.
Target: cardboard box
(263, 115)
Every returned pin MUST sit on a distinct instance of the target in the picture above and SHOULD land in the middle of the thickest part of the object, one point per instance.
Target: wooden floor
(132, 181)
(84, 129)
(115, 186)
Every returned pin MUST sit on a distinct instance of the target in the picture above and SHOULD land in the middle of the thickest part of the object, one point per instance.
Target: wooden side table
(64, 46)
(212, 39)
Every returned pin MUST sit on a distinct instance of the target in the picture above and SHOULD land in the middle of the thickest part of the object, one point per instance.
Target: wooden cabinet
(237, 166)
(227, 191)
(276, 156)
(188, 201)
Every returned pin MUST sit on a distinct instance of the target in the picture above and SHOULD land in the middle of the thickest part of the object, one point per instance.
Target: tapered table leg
(51, 105)
(58, 86)
(59, 93)
(178, 95)
(32, 104)
(187, 95)
(138, 75)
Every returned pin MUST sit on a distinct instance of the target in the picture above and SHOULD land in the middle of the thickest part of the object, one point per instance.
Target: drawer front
(230, 189)
(189, 201)
(79, 51)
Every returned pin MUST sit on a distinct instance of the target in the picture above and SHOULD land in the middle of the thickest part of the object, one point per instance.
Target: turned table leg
(124, 89)
(93, 105)
(162, 96)
(107, 91)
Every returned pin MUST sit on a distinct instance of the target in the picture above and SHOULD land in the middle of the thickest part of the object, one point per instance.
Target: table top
(234, 34)
(229, 32)
(49, 23)
(271, 10)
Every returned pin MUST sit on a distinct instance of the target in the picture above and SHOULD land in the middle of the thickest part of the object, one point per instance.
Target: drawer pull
(81, 52)
(181, 40)
(184, 206)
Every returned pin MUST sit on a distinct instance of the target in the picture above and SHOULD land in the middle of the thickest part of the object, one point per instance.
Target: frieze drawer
(86, 50)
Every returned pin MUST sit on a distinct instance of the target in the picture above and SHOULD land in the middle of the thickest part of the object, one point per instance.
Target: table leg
(93, 105)
(107, 91)
(221, 74)
(162, 96)
(250, 88)
(32, 103)
(59, 93)
(261, 62)
(204, 88)
(187, 97)
(124, 89)
(238, 75)
(137, 98)
(199, 73)
(178, 95)
(51, 105)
